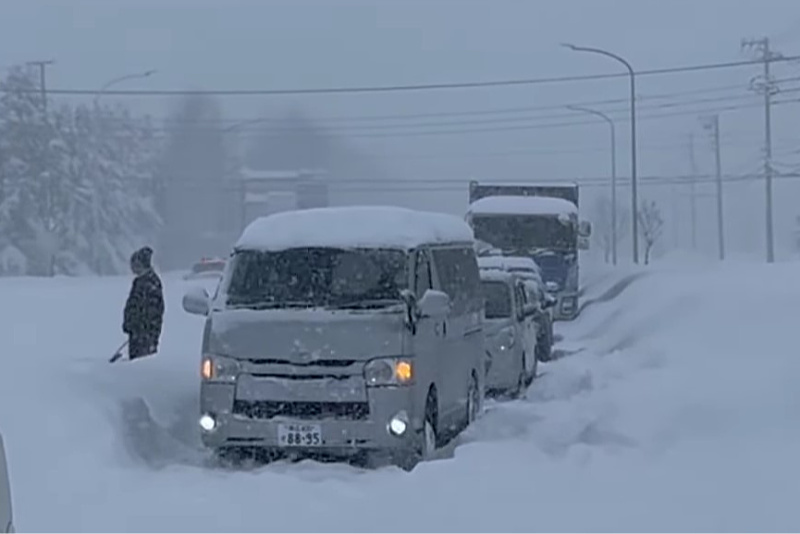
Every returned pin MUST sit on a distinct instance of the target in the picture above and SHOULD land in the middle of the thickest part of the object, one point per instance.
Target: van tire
(544, 343)
(428, 440)
(519, 390)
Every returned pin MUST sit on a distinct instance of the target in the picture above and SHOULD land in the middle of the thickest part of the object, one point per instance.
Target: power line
(445, 184)
(526, 127)
(412, 87)
(466, 113)
(506, 120)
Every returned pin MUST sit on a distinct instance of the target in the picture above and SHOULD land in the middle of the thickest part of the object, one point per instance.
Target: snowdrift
(676, 410)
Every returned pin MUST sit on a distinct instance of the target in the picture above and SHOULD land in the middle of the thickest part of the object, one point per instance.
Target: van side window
(422, 273)
(459, 277)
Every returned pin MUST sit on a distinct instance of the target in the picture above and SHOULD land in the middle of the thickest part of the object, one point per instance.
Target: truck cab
(536, 221)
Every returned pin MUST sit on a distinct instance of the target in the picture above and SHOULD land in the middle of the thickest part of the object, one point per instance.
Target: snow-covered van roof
(525, 205)
(353, 227)
(508, 263)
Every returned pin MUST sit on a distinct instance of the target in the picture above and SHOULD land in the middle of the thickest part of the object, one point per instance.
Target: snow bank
(522, 205)
(675, 410)
(353, 227)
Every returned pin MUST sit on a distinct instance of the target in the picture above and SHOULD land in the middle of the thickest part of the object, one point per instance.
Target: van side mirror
(585, 229)
(583, 243)
(435, 304)
(196, 301)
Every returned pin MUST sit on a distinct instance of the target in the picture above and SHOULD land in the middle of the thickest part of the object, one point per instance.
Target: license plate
(299, 435)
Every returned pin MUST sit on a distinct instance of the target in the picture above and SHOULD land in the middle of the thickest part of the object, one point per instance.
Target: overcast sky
(265, 44)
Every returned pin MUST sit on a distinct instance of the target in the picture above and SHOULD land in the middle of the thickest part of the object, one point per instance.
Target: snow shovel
(117, 355)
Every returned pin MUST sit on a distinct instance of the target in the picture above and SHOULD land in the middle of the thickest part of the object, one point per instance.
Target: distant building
(265, 192)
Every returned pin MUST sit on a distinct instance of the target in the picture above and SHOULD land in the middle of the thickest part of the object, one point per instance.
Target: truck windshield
(498, 299)
(317, 277)
(520, 232)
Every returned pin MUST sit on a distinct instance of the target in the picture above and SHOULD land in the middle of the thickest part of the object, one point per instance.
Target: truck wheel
(473, 401)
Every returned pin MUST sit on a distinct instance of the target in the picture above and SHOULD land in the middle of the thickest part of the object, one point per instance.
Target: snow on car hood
(306, 335)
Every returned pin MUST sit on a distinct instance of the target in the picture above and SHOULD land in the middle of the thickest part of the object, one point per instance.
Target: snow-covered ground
(675, 408)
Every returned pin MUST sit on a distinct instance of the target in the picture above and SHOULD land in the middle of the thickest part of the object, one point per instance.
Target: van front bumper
(367, 430)
(504, 371)
(567, 307)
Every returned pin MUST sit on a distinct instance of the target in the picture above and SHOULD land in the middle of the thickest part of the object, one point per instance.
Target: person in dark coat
(144, 309)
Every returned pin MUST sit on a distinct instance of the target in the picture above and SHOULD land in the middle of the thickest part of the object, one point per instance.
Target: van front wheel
(427, 443)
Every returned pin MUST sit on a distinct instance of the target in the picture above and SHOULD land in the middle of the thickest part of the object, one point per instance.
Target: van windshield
(317, 277)
(498, 299)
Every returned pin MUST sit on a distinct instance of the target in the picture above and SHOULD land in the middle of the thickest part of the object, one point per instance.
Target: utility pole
(712, 124)
(768, 87)
(42, 78)
(693, 191)
(676, 231)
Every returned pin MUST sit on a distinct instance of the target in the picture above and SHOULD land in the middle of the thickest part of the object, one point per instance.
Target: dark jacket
(144, 315)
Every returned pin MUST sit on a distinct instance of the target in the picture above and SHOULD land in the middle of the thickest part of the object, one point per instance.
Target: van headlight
(389, 372)
(505, 339)
(219, 368)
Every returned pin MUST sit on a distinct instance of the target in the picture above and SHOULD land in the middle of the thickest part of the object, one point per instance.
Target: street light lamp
(110, 83)
(95, 201)
(634, 181)
(610, 122)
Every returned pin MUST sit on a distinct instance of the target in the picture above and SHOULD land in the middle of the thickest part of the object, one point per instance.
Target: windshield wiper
(271, 305)
(364, 304)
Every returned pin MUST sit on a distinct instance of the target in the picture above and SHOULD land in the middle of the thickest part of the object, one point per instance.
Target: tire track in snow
(614, 291)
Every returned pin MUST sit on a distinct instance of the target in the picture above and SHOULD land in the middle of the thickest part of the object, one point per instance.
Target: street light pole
(95, 201)
(634, 181)
(612, 129)
(610, 123)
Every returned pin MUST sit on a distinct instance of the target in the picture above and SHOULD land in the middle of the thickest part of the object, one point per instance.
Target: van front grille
(302, 410)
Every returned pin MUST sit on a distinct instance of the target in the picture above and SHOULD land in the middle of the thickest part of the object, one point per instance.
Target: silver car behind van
(511, 333)
(343, 331)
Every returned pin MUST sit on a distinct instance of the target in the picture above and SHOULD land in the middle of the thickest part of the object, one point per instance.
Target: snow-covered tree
(72, 198)
(651, 225)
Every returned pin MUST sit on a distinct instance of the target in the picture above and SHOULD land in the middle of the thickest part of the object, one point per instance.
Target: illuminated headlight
(388, 372)
(505, 339)
(220, 368)
(398, 424)
(207, 422)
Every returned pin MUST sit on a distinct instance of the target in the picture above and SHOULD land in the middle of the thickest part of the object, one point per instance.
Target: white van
(343, 331)
(6, 515)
